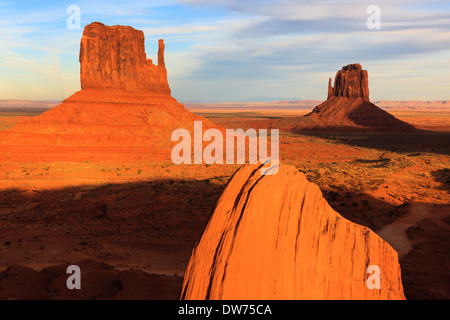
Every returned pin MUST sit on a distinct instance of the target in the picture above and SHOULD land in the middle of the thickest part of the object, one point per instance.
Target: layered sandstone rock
(347, 109)
(351, 82)
(106, 118)
(330, 89)
(276, 237)
(114, 58)
(124, 102)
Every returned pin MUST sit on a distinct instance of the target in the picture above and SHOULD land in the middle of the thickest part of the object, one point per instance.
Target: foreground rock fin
(276, 237)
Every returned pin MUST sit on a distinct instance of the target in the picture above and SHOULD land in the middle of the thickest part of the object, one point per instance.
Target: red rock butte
(347, 109)
(350, 82)
(276, 237)
(114, 58)
(125, 102)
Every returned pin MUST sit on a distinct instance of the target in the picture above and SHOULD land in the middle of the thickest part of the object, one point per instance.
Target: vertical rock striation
(276, 237)
(124, 102)
(347, 109)
(114, 58)
(351, 82)
(330, 90)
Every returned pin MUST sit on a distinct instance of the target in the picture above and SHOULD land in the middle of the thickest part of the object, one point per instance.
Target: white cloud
(253, 47)
(181, 30)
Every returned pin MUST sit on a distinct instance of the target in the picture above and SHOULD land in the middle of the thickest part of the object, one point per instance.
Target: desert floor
(131, 223)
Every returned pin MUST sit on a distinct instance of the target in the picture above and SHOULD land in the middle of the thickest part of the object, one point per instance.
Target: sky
(235, 50)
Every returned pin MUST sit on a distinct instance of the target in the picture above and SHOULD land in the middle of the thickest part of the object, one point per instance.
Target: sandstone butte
(276, 237)
(347, 108)
(125, 101)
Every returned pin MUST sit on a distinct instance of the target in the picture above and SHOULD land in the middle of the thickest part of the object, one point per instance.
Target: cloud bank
(230, 50)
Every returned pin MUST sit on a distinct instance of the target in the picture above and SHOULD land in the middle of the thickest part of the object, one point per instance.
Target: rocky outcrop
(330, 89)
(276, 237)
(350, 82)
(161, 49)
(347, 109)
(114, 58)
(124, 102)
(107, 118)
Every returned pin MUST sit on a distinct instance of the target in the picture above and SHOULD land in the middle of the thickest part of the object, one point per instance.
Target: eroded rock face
(276, 237)
(350, 82)
(347, 108)
(124, 102)
(330, 90)
(114, 58)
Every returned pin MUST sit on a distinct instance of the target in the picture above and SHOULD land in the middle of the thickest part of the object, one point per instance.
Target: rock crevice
(124, 102)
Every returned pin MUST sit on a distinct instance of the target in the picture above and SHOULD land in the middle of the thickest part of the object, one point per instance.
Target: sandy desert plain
(131, 222)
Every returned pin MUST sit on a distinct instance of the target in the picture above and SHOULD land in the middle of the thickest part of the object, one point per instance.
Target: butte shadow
(132, 239)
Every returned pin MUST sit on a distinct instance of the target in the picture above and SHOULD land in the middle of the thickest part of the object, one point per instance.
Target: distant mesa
(125, 100)
(276, 237)
(26, 104)
(347, 108)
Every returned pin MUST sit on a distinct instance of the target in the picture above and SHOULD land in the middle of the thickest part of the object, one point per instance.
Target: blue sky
(231, 50)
